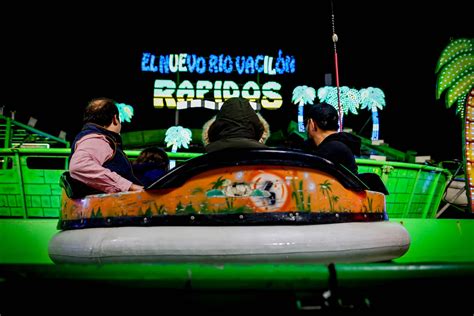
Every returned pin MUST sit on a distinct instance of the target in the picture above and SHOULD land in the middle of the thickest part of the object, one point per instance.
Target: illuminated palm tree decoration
(329, 95)
(177, 137)
(302, 95)
(455, 70)
(125, 112)
(373, 99)
(350, 99)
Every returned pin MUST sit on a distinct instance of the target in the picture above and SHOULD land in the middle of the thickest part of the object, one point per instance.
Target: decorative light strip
(223, 63)
(468, 144)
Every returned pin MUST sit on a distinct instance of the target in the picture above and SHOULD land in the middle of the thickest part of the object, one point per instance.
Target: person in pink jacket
(97, 158)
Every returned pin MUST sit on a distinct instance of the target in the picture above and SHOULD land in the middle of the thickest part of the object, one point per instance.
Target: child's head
(153, 154)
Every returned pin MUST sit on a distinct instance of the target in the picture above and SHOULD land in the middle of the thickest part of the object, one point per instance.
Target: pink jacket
(91, 152)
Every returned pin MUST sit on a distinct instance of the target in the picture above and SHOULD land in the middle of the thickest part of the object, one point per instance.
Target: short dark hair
(153, 154)
(324, 114)
(101, 111)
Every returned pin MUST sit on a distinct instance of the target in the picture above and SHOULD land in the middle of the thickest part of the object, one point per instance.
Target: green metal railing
(29, 183)
(13, 131)
(415, 190)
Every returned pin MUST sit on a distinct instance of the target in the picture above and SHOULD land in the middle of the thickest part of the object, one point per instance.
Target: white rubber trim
(345, 242)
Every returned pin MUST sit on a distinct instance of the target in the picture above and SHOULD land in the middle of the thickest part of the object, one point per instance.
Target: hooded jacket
(340, 148)
(236, 125)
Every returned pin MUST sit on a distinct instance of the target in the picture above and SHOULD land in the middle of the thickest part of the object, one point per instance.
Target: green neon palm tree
(125, 112)
(373, 99)
(455, 71)
(350, 98)
(177, 137)
(302, 95)
(329, 95)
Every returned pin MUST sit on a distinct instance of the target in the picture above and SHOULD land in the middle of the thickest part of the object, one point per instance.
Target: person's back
(236, 125)
(97, 158)
(340, 148)
(324, 139)
(150, 165)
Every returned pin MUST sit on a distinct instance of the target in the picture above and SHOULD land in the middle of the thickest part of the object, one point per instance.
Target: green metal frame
(37, 192)
(10, 125)
(432, 240)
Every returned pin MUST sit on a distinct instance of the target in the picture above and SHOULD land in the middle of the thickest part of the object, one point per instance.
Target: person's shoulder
(91, 139)
(93, 136)
(345, 140)
(332, 146)
(340, 145)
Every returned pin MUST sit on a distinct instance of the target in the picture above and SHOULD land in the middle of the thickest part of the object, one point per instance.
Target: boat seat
(373, 182)
(256, 157)
(75, 189)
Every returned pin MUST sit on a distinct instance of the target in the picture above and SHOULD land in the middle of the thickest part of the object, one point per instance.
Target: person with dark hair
(236, 125)
(97, 158)
(151, 164)
(324, 140)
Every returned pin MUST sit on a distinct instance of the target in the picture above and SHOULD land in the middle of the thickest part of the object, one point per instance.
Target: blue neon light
(223, 63)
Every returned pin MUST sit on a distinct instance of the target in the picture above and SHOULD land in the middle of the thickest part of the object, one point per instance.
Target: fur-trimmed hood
(236, 120)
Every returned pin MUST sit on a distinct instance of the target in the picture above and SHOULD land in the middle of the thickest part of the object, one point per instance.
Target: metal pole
(334, 40)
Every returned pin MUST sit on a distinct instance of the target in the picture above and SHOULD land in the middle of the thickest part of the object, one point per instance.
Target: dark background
(52, 64)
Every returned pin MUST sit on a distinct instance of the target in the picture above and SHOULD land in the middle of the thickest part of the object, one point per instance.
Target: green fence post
(21, 182)
(408, 205)
(8, 134)
(434, 184)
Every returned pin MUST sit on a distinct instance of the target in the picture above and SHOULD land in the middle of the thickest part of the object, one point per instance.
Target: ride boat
(245, 205)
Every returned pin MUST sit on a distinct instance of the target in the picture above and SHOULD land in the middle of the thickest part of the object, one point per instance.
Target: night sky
(51, 66)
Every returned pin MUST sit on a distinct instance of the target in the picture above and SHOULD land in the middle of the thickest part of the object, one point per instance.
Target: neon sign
(192, 63)
(167, 94)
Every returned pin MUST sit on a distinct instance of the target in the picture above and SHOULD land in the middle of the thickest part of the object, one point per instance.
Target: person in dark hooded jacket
(236, 125)
(322, 123)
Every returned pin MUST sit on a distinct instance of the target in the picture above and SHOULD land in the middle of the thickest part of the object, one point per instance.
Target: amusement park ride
(275, 229)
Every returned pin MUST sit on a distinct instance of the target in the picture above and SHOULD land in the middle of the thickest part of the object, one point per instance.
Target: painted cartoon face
(274, 191)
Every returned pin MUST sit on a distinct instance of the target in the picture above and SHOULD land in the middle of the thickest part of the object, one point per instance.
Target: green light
(460, 88)
(350, 100)
(457, 76)
(458, 68)
(454, 49)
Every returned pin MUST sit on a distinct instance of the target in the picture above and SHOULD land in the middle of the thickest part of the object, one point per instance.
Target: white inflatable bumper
(324, 243)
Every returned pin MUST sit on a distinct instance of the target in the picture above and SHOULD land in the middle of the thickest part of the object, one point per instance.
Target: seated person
(97, 158)
(236, 125)
(322, 123)
(324, 140)
(151, 164)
